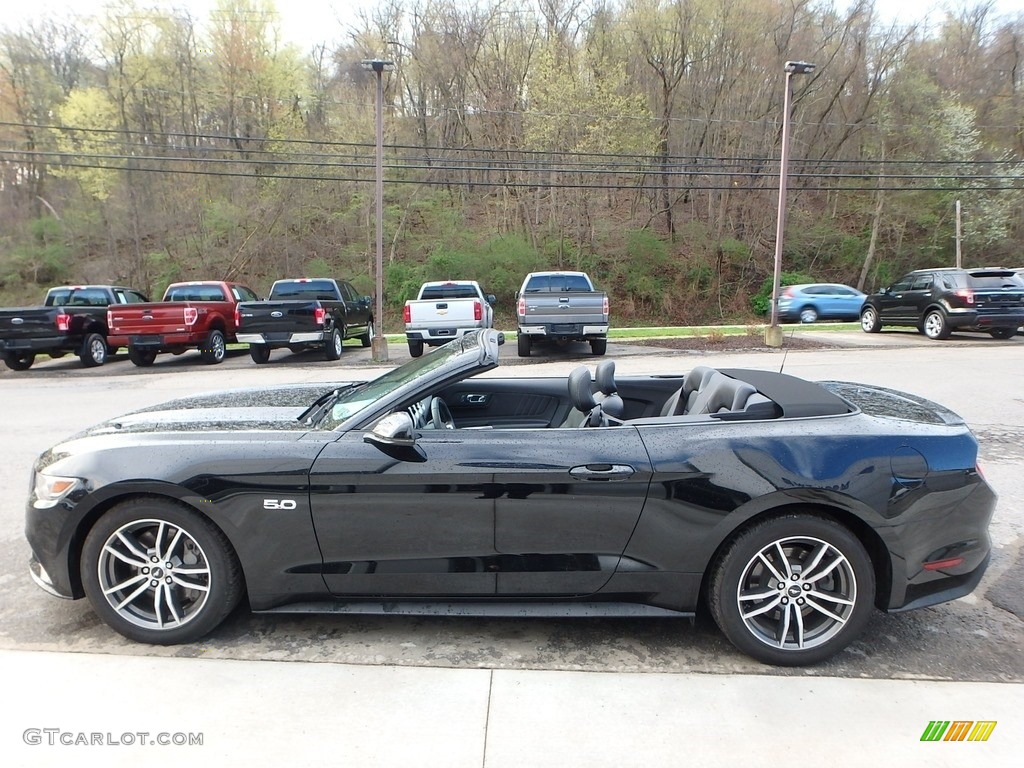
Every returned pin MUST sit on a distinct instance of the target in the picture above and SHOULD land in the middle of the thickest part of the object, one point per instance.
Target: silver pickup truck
(561, 307)
(445, 310)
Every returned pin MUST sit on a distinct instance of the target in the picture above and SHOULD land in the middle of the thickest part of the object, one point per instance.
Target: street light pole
(379, 344)
(773, 334)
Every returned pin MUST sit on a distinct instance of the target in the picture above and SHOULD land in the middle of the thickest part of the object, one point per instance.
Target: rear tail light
(319, 315)
(604, 306)
(64, 321)
(478, 311)
(238, 317)
(521, 308)
(110, 319)
(407, 314)
(966, 294)
(191, 315)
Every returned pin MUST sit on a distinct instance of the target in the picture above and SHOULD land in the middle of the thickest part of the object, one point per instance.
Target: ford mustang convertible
(790, 508)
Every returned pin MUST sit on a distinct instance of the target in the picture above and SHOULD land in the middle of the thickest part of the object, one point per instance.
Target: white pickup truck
(445, 310)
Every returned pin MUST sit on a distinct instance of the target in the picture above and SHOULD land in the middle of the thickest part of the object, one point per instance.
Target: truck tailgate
(147, 319)
(429, 312)
(28, 323)
(276, 319)
(565, 308)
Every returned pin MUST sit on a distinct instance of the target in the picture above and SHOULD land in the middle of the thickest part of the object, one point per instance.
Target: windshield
(350, 401)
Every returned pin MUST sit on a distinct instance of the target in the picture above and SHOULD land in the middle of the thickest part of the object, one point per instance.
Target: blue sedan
(819, 301)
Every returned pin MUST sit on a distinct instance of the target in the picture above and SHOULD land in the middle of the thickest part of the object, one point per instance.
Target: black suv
(940, 301)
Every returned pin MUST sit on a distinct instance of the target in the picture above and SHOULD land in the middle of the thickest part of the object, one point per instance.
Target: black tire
(19, 361)
(260, 353)
(869, 320)
(141, 357)
(1003, 333)
(94, 350)
(214, 349)
(808, 315)
(935, 325)
(166, 612)
(415, 348)
(598, 346)
(523, 343)
(823, 615)
(367, 338)
(334, 345)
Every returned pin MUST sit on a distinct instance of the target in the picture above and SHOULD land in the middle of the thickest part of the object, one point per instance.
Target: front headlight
(50, 490)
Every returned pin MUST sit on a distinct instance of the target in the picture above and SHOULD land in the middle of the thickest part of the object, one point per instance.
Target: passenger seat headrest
(605, 377)
(579, 390)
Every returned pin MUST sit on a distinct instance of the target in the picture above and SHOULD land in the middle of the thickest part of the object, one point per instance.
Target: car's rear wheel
(808, 315)
(94, 351)
(416, 348)
(1003, 333)
(598, 346)
(869, 320)
(260, 353)
(792, 590)
(159, 573)
(523, 344)
(141, 357)
(935, 325)
(367, 338)
(334, 345)
(19, 361)
(214, 349)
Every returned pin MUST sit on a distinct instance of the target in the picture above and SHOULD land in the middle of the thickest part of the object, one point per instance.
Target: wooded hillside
(638, 140)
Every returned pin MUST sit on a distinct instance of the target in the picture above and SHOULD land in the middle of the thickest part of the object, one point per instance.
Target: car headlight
(50, 490)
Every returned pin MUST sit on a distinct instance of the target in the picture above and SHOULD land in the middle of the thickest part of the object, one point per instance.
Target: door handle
(606, 472)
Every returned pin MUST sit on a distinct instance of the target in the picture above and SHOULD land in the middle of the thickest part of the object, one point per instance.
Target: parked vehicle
(940, 301)
(306, 313)
(193, 315)
(446, 310)
(73, 318)
(790, 508)
(561, 307)
(810, 302)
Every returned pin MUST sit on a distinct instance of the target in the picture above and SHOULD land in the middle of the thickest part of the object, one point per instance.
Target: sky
(306, 22)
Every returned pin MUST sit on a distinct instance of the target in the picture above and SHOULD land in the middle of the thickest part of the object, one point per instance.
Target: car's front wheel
(869, 320)
(159, 573)
(792, 590)
(935, 325)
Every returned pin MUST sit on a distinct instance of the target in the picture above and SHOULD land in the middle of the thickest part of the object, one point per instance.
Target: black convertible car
(792, 508)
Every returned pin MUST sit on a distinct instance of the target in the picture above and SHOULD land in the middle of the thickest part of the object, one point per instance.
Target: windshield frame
(460, 358)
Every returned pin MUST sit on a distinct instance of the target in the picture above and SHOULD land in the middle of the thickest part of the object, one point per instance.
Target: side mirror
(516, 295)
(490, 298)
(394, 436)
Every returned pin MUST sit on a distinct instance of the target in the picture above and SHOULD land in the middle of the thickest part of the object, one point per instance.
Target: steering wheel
(441, 415)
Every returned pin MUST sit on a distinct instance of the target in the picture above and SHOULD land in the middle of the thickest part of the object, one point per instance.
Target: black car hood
(278, 408)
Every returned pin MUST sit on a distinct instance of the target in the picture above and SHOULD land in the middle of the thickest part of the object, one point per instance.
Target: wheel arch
(168, 493)
(876, 548)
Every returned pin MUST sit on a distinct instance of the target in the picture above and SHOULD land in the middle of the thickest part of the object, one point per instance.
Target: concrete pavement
(119, 710)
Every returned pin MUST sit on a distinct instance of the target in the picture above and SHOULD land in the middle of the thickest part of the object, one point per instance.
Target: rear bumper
(436, 336)
(969, 318)
(38, 344)
(166, 341)
(566, 330)
(281, 339)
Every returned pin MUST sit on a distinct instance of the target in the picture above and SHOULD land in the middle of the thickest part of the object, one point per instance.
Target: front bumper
(43, 580)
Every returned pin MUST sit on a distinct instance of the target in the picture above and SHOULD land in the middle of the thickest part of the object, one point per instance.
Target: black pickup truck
(306, 313)
(73, 319)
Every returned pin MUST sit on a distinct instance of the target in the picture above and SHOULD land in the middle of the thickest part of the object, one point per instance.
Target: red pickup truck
(198, 315)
